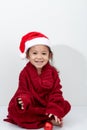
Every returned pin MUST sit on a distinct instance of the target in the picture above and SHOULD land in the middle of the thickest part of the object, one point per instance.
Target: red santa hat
(32, 39)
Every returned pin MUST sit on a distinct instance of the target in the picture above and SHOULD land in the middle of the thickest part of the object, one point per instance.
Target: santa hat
(31, 39)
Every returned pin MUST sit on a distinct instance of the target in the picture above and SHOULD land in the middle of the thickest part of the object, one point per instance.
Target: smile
(38, 62)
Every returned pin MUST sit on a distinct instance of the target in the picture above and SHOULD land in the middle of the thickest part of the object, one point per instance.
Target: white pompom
(23, 55)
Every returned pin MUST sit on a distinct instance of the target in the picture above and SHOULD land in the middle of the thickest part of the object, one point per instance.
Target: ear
(28, 57)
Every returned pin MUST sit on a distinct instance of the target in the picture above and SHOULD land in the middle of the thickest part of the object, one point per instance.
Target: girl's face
(39, 55)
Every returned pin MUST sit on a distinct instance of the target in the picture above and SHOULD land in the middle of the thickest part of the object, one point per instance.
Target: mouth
(39, 62)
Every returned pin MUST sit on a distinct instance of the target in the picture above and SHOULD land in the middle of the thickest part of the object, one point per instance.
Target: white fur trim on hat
(37, 41)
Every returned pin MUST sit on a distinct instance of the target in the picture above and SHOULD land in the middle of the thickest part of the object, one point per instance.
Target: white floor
(75, 120)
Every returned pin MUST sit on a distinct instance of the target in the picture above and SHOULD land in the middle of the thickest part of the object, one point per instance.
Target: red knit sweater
(41, 94)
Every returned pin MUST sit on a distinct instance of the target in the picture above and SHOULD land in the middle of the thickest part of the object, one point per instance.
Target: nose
(39, 56)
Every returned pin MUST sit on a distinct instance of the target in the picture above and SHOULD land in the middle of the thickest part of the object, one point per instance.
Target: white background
(65, 23)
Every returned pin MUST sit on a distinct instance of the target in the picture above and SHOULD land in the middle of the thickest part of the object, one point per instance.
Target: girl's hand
(57, 120)
(20, 103)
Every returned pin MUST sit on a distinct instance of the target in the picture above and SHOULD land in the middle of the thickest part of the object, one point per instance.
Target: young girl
(38, 100)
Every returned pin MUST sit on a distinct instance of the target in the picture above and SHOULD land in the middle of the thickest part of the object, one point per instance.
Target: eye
(44, 53)
(34, 53)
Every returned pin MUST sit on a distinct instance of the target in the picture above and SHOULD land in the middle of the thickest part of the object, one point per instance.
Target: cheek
(47, 58)
(32, 57)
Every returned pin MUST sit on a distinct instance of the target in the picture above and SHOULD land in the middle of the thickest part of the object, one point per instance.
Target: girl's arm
(55, 104)
(21, 99)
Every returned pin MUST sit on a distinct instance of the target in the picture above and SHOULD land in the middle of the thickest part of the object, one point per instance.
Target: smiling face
(39, 56)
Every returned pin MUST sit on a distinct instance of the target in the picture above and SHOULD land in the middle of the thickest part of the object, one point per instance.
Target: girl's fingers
(22, 107)
(59, 121)
(50, 115)
(19, 99)
(56, 119)
(20, 102)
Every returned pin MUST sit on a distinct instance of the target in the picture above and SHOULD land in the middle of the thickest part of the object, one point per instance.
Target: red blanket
(41, 94)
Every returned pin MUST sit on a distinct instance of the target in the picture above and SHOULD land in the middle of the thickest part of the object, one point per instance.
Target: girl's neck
(39, 71)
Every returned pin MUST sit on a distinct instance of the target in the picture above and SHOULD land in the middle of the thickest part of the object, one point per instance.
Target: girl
(38, 99)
